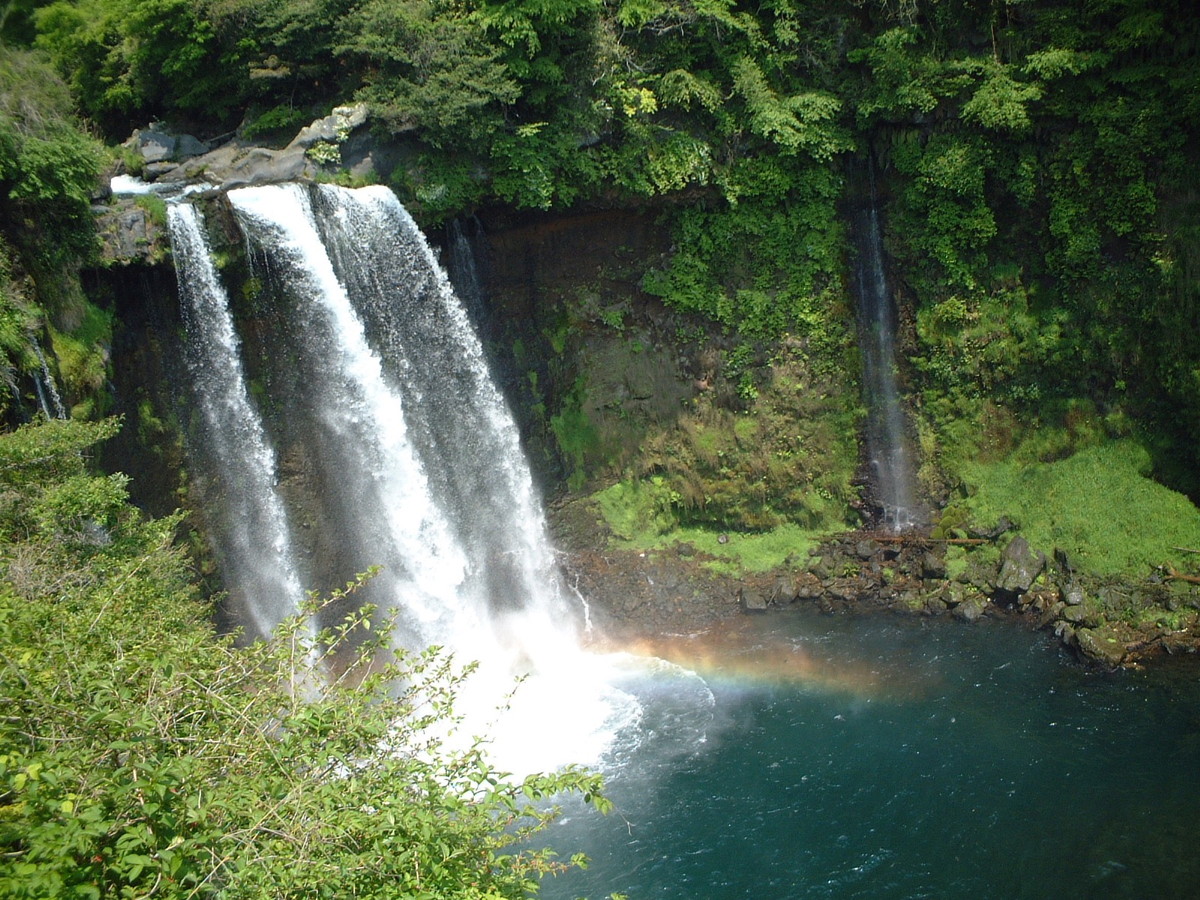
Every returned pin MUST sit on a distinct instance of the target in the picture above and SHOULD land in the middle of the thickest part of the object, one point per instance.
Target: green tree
(49, 168)
(48, 164)
(16, 21)
(130, 60)
(428, 71)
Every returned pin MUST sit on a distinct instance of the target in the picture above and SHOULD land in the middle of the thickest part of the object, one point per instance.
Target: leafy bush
(138, 58)
(767, 264)
(142, 755)
(48, 165)
(283, 119)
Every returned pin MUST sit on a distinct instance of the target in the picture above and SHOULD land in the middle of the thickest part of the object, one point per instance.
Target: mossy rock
(1105, 645)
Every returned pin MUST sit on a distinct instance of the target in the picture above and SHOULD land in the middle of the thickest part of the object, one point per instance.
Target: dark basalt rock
(157, 145)
(129, 233)
(846, 590)
(753, 600)
(807, 586)
(782, 591)
(970, 609)
(1076, 615)
(1019, 567)
(182, 159)
(866, 549)
(932, 566)
(1102, 644)
(990, 534)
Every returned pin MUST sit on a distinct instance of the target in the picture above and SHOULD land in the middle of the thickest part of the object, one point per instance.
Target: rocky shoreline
(640, 593)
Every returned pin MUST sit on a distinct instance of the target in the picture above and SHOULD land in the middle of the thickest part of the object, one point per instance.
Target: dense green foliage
(141, 756)
(1041, 213)
(1033, 157)
(1075, 512)
(48, 170)
(1032, 160)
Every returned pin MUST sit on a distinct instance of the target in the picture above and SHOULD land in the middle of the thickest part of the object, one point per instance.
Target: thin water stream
(892, 468)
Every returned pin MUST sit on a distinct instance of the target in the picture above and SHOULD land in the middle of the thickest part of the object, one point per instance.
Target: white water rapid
(381, 393)
(46, 385)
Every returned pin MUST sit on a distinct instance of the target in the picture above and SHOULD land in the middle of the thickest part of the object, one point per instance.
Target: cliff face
(589, 363)
(643, 421)
(148, 387)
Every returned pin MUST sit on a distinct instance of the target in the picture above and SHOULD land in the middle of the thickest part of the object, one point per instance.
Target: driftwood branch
(918, 539)
(1173, 575)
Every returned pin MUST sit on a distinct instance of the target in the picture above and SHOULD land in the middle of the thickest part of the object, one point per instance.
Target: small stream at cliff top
(887, 758)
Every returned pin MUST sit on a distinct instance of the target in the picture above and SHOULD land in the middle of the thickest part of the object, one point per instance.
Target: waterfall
(41, 396)
(892, 473)
(249, 528)
(379, 386)
(416, 442)
(462, 267)
(45, 385)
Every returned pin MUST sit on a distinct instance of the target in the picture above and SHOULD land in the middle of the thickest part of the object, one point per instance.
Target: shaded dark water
(885, 758)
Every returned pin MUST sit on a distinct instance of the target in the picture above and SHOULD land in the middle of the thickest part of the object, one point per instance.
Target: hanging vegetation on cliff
(1033, 161)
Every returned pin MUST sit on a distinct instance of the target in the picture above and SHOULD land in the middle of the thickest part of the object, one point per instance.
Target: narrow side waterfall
(46, 385)
(462, 265)
(892, 473)
(249, 528)
(382, 404)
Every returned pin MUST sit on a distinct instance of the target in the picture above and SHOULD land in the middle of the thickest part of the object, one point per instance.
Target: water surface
(880, 757)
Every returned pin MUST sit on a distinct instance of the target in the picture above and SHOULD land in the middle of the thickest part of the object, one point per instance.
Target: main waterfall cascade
(423, 457)
(892, 471)
(373, 369)
(249, 525)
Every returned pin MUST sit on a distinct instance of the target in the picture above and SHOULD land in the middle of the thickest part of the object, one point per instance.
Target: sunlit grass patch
(1098, 505)
(640, 517)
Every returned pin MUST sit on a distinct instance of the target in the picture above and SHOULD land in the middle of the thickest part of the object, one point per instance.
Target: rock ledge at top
(182, 159)
(172, 162)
